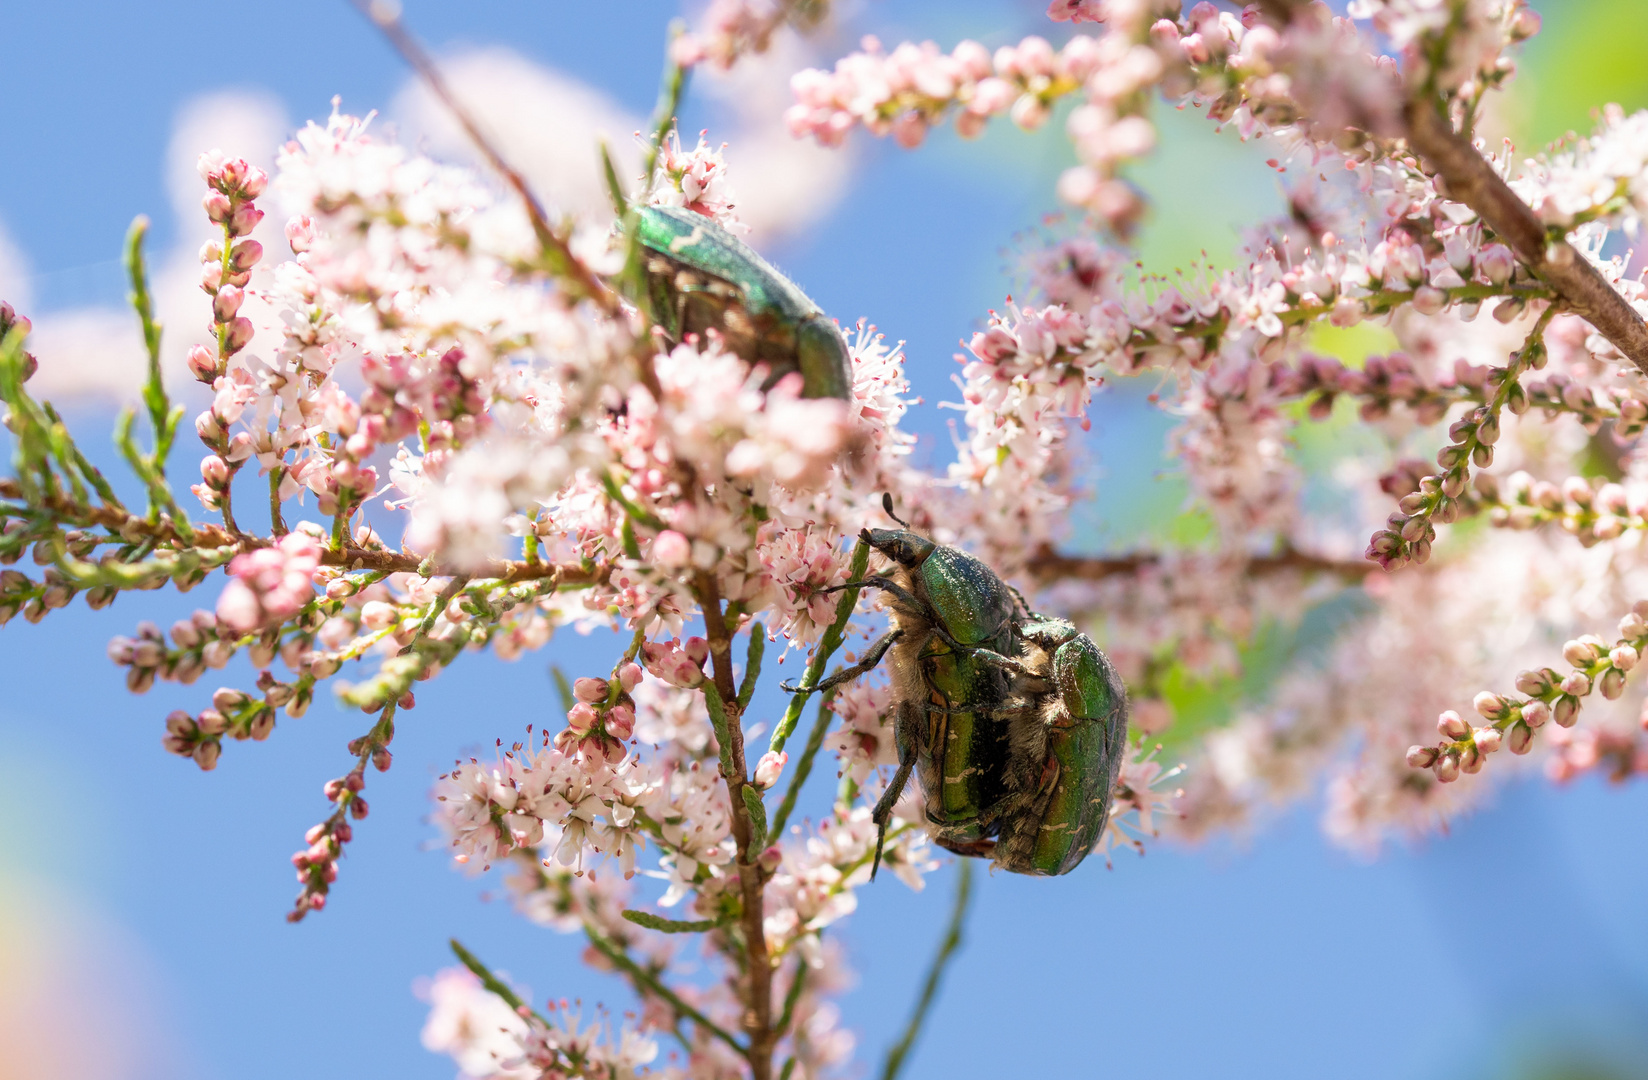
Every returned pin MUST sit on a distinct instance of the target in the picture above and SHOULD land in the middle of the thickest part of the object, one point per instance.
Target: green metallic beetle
(700, 277)
(950, 613)
(1066, 750)
(1014, 723)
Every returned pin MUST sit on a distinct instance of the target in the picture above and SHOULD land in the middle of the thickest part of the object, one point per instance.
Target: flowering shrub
(490, 383)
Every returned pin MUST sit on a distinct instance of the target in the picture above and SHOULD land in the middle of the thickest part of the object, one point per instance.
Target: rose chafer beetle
(1014, 723)
(700, 277)
(1067, 749)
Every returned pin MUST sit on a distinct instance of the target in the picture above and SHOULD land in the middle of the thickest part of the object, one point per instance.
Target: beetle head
(904, 547)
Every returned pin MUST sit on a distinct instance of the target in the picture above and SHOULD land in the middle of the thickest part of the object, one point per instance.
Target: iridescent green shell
(700, 277)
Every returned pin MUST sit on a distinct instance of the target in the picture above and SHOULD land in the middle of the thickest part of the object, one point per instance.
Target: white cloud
(784, 184)
(88, 352)
(15, 285)
(545, 124)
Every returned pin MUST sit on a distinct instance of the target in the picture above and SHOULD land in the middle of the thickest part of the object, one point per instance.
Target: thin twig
(652, 984)
(803, 768)
(929, 989)
(492, 982)
(1049, 567)
(555, 247)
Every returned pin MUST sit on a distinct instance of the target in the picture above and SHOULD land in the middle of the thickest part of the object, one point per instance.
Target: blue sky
(156, 893)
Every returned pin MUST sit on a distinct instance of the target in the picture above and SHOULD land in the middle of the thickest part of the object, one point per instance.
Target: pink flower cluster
(679, 663)
(697, 180)
(270, 584)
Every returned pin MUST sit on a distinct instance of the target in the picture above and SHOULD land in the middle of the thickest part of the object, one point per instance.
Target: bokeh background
(141, 901)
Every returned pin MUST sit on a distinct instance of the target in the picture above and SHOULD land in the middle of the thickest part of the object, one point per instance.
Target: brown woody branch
(555, 246)
(1472, 181)
(1048, 567)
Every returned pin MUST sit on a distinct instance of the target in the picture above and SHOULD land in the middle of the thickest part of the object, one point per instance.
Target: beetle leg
(1006, 663)
(872, 657)
(906, 734)
(885, 585)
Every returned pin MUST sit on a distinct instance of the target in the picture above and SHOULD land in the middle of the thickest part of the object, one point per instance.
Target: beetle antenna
(887, 505)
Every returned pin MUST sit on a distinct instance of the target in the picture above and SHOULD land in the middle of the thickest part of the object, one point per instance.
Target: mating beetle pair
(1014, 723)
(700, 277)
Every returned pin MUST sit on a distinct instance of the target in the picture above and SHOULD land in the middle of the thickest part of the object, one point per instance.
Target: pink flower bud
(1612, 684)
(1565, 711)
(769, 768)
(377, 614)
(208, 427)
(1496, 263)
(1533, 683)
(240, 334)
(1470, 761)
(226, 303)
(245, 254)
(203, 363)
(1521, 738)
(629, 676)
(1576, 683)
(771, 859)
(620, 722)
(1579, 652)
(1487, 739)
(1447, 768)
(1452, 726)
(181, 724)
(697, 649)
(244, 219)
(1624, 657)
(1029, 112)
(1535, 714)
(1422, 757)
(582, 717)
(253, 181)
(217, 206)
(671, 549)
(1429, 300)
(215, 471)
(593, 691)
(206, 754)
(228, 699)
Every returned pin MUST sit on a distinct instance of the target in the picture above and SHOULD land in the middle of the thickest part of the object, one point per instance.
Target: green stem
(951, 942)
(674, 926)
(827, 645)
(154, 390)
(277, 524)
(803, 767)
(647, 979)
(717, 707)
(790, 999)
(752, 665)
(492, 982)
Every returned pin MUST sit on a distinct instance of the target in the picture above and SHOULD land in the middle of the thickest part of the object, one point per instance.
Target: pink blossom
(270, 584)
